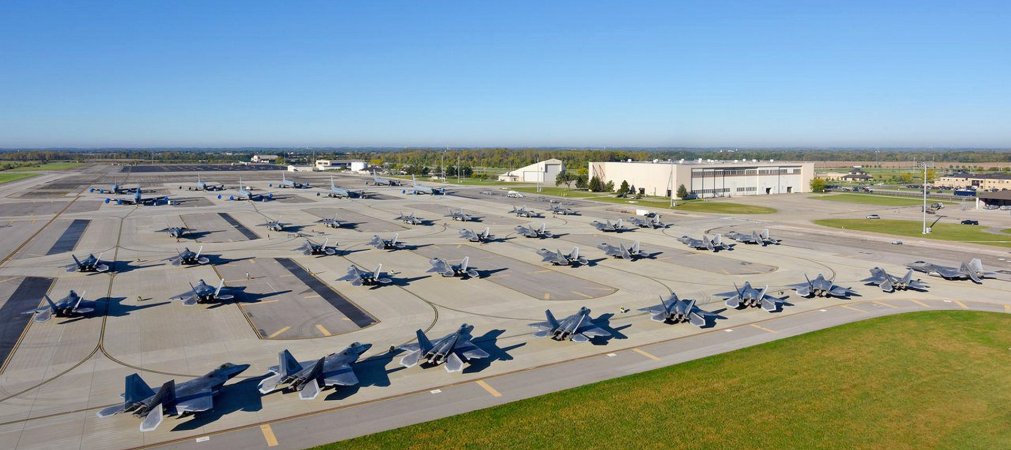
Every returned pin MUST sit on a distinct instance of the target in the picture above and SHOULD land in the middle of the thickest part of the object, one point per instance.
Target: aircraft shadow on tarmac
(403, 281)
(218, 260)
(241, 396)
(194, 235)
(489, 343)
(485, 273)
(241, 296)
(412, 247)
(594, 262)
(113, 307)
(371, 371)
(128, 266)
(604, 321)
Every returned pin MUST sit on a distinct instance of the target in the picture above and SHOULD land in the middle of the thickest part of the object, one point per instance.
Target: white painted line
(823, 310)
(203, 439)
(728, 330)
(612, 355)
(947, 301)
(435, 391)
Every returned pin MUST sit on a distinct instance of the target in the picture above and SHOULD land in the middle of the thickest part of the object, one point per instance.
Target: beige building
(708, 178)
(540, 172)
(986, 182)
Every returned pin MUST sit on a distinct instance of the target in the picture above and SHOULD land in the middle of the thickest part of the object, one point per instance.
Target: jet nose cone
(235, 369)
(364, 347)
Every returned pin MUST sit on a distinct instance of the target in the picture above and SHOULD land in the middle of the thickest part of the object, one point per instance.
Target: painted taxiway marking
(323, 330)
(919, 303)
(582, 294)
(646, 354)
(853, 308)
(488, 388)
(202, 439)
(278, 332)
(763, 328)
(612, 355)
(263, 302)
(885, 305)
(435, 391)
(268, 435)
(962, 305)
(547, 296)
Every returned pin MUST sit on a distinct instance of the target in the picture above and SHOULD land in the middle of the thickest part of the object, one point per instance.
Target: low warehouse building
(708, 179)
(540, 172)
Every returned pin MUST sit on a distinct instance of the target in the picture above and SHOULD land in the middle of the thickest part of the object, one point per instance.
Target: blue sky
(514, 73)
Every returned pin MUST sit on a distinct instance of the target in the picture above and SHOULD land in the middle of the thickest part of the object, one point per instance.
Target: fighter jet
(419, 189)
(458, 214)
(208, 186)
(339, 192)
(578, 327)
(755, 238)
(312, 248)
(114, 189)
(246, 194)
(607, 226)
(409, 219)
(187, 258)
(675, 310)
(286, 183)
(203, 293)
(454, 349)
(972, 270)
(176, 232)
(386, 244)
(481, 237)
(359, 277)
(531, 232)
(631, 253)
(647, 222)
(524, 212)
(557, 258)
(890, 283)
(274, 225)
(380, 181)
(89, 264)
(820, 287)
(191, 396)
(73, 305)
(714, 245)
(139, 199)
(563, 210)
(748, 297)
(309, 378)
(446, 269)
(331, 222)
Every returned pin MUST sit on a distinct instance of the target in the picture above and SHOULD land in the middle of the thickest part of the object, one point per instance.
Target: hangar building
(540, 172)
(708, 178)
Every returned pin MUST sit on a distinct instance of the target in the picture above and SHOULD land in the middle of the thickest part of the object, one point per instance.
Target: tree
(609, 187)
(581, 181)
(817, 185)
(623, 189)
(596, 185)
(682, 192)
(562, 177)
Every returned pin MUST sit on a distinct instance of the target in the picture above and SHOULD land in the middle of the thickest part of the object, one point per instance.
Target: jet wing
(471, 351)
(200, 401)
(590, 330)
(343, 375)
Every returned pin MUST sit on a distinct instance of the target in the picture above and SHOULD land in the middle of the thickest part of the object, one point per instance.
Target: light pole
(925, 165)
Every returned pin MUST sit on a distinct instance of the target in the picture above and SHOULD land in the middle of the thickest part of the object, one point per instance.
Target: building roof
(999, 195)
(710, 163)
(981, 176)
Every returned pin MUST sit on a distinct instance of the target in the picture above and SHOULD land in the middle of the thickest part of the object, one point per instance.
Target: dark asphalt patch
(249, 234)
(201, 168)
(68, 240)
(26, 297)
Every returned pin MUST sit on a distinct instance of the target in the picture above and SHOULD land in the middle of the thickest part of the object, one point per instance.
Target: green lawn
(940, 231)
(705, 206)
(48, 166)
(9, 176)
(870, 199)
(918, 380)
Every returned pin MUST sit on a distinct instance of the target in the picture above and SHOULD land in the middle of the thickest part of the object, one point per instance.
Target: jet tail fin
(287, 364)
(136, 389)
(423, 342)
(551, 318)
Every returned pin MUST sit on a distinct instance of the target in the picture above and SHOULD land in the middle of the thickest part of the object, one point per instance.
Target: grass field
(941, 231)
(9, 176)
(870, 199)
(48, 166)
(717, 207)
(918, 380)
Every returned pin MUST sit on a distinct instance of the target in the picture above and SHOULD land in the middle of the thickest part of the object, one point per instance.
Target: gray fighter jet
(675, 310)
(755, 238)
(714, 244)
(563, 210)
(203, 293)
(531, 232)
(608, 226)
(188, 397)
(386, 244)
(286, 183)
(557, 258)
(139, 199)
(245, 194)
(187, 257)
(313, 248)
(176, 232)
(578, 327)
(481, 237)
(274, 225)
(73, 305)
(820, 287)
(647, 222)
(331, 222)
(309, 378)
(446, 269)
(749, 297)
(360, 277)
(459, 214)
(89, 264)
(453, 349)
(524, 212)
(409, 219)
(420, 189)
(631, 253)
(972, 270)
(890, 283)
(380, 181)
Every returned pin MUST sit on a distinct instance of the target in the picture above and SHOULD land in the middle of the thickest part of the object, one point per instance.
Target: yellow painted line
(763, 328)
(312, 296)
(582, 294)
(263, 302)
(919, 303)
(323, 330)
(268, 435)
(488, 388)
(853, 308)
(959, 303)
(885, 305)
(646, 354)
(278, 332)
(547, 296)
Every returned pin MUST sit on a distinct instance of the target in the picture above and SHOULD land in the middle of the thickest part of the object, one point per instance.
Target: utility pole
(925, 165)
(458, 168)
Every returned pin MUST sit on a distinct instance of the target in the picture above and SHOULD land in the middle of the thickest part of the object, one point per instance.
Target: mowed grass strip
(941, 231)
(65, 165)
(703, 206)
(871, 199)
(7, 177)
(917, 380)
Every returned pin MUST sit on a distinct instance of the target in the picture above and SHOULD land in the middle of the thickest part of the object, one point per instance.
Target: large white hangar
(708, 178)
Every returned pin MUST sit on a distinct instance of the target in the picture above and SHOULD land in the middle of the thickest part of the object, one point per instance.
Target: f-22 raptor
(714, 245)
(675, 310)
(821, 287)
(188, 397)
(361, 277)
(558, 258)
(460, 215)
(647, 222)
(608, 226)
(187, 257)
(316, 249)
(630, 253)
(755, 238)
(578, 327)
(481, 237)
(203, 293)
(972, 270)
(309, 378)
(750, 297)
(89, 264)
(453, 349)
(386, 244)
(73, 305)
(890, 283)
(446, 269)
(531, 232)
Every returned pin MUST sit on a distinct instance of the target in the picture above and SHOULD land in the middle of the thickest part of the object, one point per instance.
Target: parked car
(970, 222)
(873, 216)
